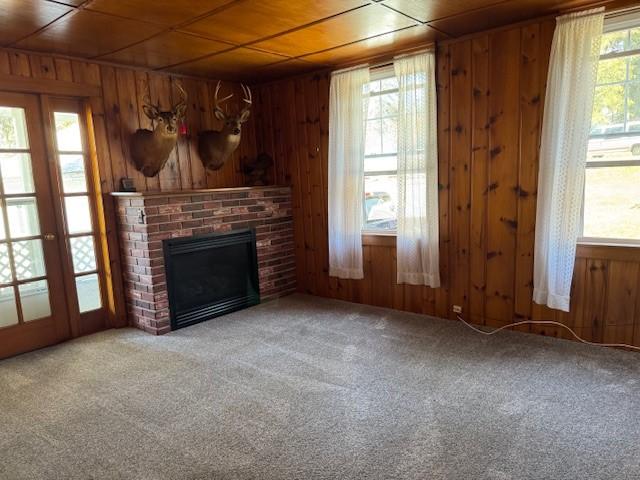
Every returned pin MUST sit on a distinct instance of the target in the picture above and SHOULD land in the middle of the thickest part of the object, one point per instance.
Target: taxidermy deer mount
(150, 150)
(215, 147)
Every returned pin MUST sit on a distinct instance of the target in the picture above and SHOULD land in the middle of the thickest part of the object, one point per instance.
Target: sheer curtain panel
(348, 103)
(417, 235)
(563, 153)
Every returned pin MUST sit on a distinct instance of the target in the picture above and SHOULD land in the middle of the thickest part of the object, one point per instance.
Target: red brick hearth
(145, 219)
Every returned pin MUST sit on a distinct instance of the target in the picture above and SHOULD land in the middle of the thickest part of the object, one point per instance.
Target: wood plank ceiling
(249, 39)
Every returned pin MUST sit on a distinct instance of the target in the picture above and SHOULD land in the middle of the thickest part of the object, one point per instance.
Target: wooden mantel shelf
(203, 191)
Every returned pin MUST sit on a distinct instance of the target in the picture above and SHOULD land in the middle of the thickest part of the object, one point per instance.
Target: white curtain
(417, 209)
(348, 103)
(563, 153)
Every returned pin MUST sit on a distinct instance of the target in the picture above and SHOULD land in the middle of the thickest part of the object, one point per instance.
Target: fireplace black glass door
(210, 275)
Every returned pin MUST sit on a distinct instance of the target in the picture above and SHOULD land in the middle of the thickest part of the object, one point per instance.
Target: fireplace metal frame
(175, 246)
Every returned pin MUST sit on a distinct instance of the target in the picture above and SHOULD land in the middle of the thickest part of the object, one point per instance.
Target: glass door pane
(13, 134)
(8, 307)
(89, 296)
(77, 199)
(34, 297)
(17, 176)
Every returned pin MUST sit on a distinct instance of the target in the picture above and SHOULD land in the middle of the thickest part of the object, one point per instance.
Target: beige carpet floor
(306, 388)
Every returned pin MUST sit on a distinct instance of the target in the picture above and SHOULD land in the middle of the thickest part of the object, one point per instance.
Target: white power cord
(548, 322)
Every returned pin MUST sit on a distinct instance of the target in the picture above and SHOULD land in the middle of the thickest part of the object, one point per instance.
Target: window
(380, 160)
(611, 209)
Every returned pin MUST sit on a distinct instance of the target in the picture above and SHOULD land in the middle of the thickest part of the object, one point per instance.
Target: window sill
(608, 251)
(379, 238)
(603, 242)
(589, 250)
(384, 233)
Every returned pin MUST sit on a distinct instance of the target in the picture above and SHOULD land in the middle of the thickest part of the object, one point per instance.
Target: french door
(50, 276)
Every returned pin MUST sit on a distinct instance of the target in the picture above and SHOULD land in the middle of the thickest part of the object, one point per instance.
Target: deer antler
(147, 101)
(247, 97)
(149, 108)
(183, 95)
(216, 102)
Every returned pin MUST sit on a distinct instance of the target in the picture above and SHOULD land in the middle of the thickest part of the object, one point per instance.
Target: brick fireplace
(146, 219)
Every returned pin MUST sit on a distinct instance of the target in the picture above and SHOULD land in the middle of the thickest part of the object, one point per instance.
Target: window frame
(380, 73)
(612, 24)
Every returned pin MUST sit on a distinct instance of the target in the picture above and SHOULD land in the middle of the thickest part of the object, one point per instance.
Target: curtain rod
(380, 66)
(389, 63)
(581, 13)
(622, 12)
(349, 69)
(383, 64)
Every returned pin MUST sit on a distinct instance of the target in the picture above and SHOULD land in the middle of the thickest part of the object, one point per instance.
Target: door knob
(49, 236)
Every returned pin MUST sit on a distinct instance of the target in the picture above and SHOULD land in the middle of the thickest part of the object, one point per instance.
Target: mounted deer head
(214, 146)
(151, 149)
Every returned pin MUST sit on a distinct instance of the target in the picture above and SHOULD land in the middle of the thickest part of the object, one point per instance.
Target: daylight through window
(380, 161)
(612, 186)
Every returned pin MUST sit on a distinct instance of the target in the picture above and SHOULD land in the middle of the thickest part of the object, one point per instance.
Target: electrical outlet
(457, 309)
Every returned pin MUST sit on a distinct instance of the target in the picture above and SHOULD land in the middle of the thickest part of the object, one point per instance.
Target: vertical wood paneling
(20, 64)
(490, 103)
(530, 121)
(444, 141)
(198, 175)
(459, 170)
(102, 147)
(305, 182)
(318, 204)
(289, 119)
(63, 69)
(270, 132)
(479, 177)
(381, 276)
(112, 120)
(576, 316)
(129, 122)
(595, 296)
(621, 302)
(5, 64)
(503, 173)
(42, 67)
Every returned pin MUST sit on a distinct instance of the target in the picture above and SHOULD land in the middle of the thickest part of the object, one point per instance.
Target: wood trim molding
(379, 240)
(625, 253)
(106, 225)
(199, 191)
(14, 83)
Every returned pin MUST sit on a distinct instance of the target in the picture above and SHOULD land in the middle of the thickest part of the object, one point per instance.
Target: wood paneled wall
(490, 98)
